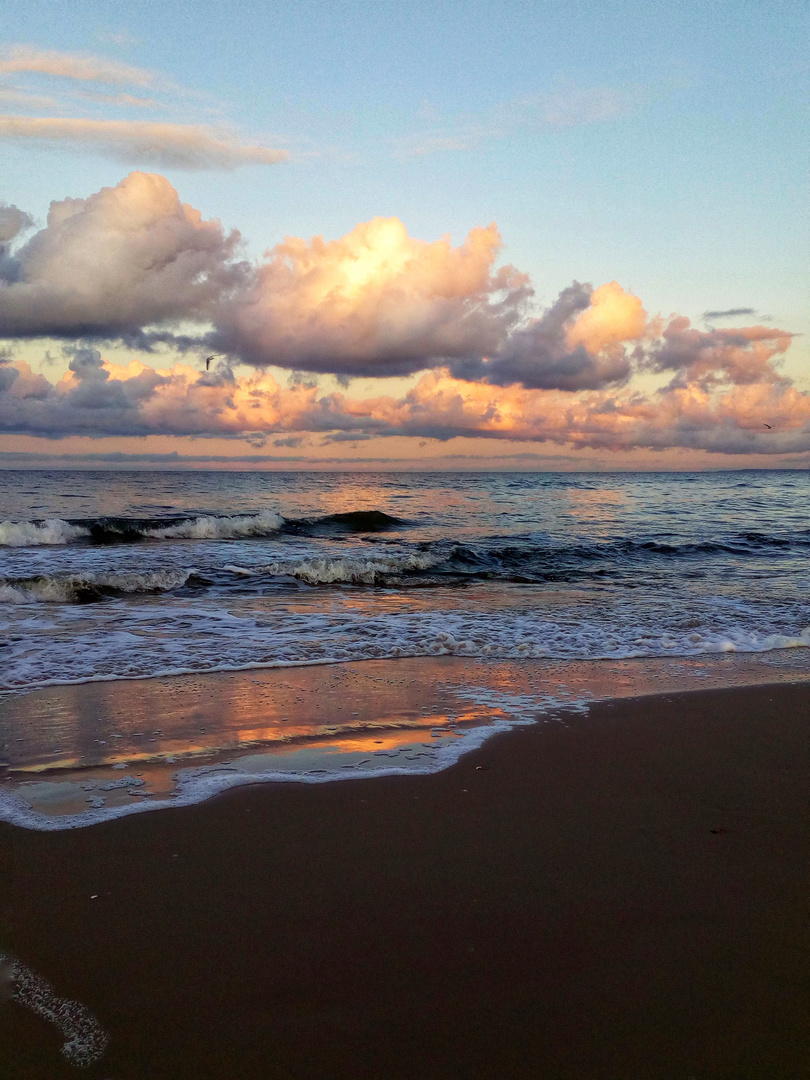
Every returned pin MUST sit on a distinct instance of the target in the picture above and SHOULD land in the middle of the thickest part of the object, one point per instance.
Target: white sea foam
(38, 534)
(348, 570)
(55, 531)
(85, 1039)
(196, 785)
(66, 590)
(66, 643)
(220, 528)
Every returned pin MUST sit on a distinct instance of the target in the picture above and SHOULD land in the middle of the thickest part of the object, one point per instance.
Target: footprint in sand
(85, 1039)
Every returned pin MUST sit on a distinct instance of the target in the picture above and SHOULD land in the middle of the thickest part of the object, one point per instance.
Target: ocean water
(122, 575)
(117, 576)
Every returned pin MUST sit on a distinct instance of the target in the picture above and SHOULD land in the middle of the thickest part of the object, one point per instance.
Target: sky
(409, 234)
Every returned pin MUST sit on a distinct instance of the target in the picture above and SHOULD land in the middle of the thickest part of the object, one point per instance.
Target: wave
(89, 587)
(378, 570)
(218, 528)
(38, 533)
(421, 565)
(525, 560)
(353, 521)
(249, 643)
(121, 530)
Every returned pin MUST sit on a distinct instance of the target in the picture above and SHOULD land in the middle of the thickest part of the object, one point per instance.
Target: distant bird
(769, 427)
(208, 360)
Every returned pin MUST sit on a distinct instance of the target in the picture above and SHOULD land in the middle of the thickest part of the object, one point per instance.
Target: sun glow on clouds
(134, 264)
(375, 302)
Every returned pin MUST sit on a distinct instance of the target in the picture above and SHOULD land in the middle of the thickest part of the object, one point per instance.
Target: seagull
(208, 360)
(769, 427)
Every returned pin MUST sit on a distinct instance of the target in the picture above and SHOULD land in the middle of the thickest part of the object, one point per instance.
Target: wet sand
(621, 896)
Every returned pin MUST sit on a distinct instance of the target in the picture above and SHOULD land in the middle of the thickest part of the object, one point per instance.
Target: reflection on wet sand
(102, 746)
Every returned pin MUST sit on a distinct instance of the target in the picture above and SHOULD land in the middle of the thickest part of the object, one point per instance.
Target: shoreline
(135, 746)
(620, 895)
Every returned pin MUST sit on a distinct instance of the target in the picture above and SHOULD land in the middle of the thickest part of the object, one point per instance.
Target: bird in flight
(208, 360)
(769, 427)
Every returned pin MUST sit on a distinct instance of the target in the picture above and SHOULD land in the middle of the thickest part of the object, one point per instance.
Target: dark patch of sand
(623, 897)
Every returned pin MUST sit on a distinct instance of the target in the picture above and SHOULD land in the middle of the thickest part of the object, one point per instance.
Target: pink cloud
(98, 398)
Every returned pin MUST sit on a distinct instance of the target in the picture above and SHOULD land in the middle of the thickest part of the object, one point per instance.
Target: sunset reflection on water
(104, 746)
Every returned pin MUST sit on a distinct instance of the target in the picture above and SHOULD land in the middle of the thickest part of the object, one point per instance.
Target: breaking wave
(121, 530)
(38, 533)
(344, 571)
(89, 587)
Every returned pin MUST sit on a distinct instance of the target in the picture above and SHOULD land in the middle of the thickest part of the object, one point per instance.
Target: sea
(112, 578)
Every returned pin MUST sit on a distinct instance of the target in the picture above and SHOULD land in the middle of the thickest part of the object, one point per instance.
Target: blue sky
(661, 146)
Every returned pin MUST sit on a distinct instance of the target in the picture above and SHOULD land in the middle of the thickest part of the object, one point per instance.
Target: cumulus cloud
(12, 222)
(123, 259)
(740, 356)
(98, 398)
(579, 343)
(135, 263)
(184, 146)
(729, 422)
(374, 302)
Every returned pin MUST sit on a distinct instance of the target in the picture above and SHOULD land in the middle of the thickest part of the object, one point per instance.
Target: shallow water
(77, 755)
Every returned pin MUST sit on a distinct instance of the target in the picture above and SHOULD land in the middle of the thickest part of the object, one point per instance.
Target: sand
(624, 896)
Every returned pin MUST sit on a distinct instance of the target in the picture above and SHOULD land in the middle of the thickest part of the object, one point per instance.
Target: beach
(620, 893)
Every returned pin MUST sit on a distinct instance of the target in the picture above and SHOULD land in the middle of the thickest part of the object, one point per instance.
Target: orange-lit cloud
(612, 318)
(134, 263)
(99, 398)
(375, 302)
(742, 355)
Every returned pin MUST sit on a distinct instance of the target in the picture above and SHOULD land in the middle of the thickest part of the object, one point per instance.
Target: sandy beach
(622, 895)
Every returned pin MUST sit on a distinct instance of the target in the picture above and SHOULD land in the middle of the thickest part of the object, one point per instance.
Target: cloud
(124, 100)
(123, 39)
(569, 107)
(24, 99)
(94, 81)
(730, 313)
(578, 106)
(423, 145)
(12, 222)
(184, 146)
(98, 398)
(374, 302)
(123, 259)
(706, 358)
(579, 343)
(84, 68)
(134, 263)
